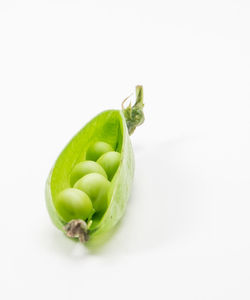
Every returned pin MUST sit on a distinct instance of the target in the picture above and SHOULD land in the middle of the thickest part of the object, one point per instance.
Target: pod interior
(106, 127)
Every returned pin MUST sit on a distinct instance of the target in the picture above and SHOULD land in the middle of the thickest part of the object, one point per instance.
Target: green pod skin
(110, 162)
(83, 168)
(112, 127)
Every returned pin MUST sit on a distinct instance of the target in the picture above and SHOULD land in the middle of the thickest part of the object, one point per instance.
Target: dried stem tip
(77, 229)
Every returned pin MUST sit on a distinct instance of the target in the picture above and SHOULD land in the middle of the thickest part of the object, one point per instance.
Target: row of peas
(90, 183)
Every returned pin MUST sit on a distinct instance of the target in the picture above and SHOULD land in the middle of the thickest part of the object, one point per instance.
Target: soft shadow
(99, 244)
(157, 211)
(59, 243)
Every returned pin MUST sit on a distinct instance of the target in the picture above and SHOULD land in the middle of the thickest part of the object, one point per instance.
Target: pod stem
(134, 114)
(77, 229)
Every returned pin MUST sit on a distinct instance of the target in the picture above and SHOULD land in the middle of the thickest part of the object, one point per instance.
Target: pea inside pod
(96, 187)
(97, 149)
(96, 202)
(110, 162)
(85, 167)
(73, 204)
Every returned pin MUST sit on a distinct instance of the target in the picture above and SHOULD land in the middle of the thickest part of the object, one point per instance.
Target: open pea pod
(112, 127)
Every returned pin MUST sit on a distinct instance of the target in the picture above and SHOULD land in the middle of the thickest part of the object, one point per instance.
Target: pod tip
(77, 229)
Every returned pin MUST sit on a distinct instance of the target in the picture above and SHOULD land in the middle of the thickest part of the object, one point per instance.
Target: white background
(185, 234)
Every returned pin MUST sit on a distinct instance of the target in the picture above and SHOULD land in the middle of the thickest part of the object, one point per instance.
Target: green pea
(110, 162)
(96, 187)
(97, 149)
(73, 204)
(83, 168)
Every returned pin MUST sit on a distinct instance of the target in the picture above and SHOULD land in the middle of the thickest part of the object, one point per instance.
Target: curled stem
(134, 114)
(77, 229)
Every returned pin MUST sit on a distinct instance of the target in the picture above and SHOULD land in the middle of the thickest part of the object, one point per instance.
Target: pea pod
(111, 127)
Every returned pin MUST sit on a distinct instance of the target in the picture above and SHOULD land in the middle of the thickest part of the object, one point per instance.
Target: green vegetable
(97, 149)
(110, 162)
(106, 139)
(96, 187)
(73, 204)
(83, 168)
